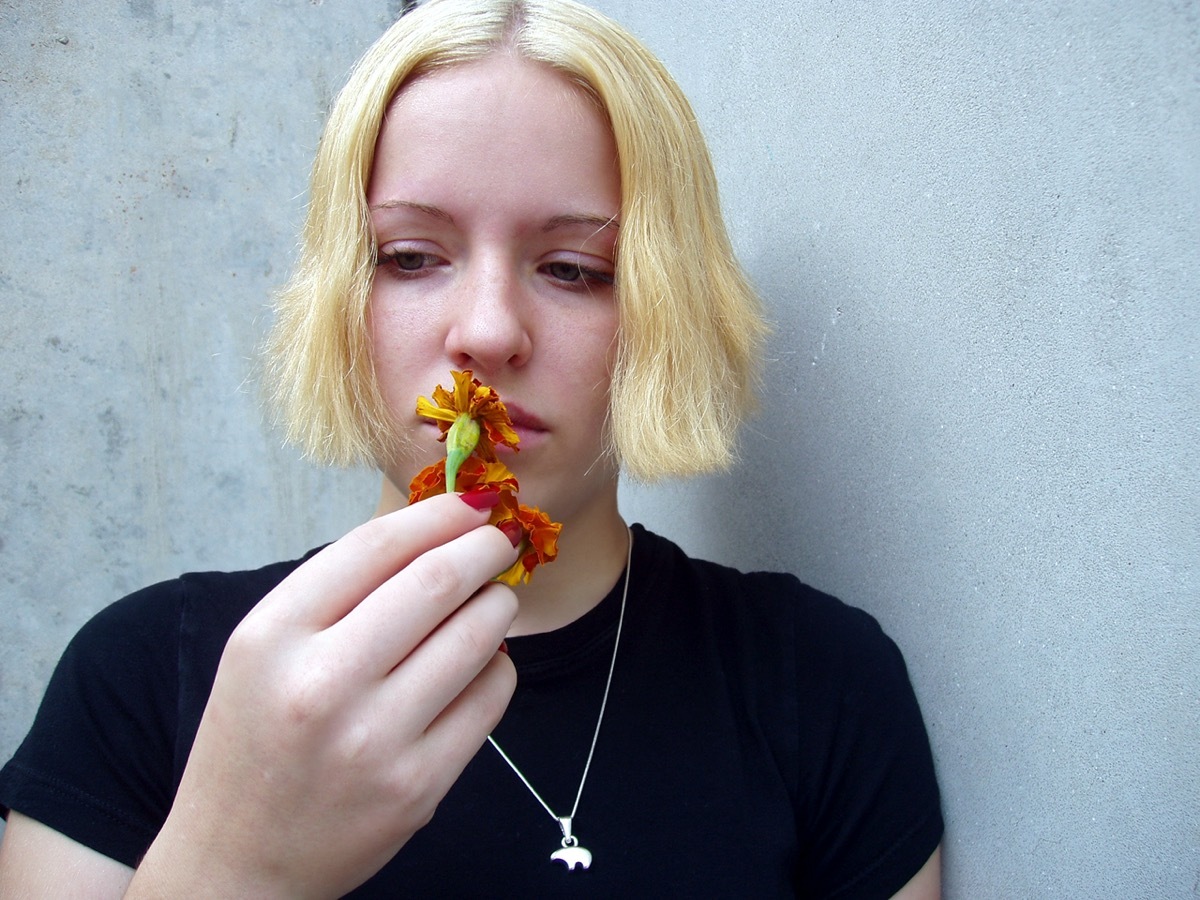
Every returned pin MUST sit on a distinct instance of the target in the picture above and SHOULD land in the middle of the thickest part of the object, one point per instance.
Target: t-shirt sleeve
(97, 764)
(874, 807)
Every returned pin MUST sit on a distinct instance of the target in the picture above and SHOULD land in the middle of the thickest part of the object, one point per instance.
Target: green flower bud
(460, 442)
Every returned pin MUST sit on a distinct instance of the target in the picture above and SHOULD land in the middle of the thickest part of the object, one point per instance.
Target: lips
(528, 426)
(523, 419)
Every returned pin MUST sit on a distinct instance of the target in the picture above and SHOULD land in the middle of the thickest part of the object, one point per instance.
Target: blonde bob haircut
(687, 356)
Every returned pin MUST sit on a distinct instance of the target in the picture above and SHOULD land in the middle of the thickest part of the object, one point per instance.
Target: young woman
(517, 188)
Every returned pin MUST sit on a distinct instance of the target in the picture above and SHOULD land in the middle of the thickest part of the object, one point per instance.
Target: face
(495, 199)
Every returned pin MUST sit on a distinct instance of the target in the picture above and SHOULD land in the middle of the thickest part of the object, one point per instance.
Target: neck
(591, 557)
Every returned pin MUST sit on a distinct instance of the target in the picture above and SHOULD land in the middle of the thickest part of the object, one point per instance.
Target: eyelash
(391, 259)
(585, 277)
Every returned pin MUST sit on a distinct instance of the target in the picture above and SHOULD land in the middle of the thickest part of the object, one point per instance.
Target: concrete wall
(976, 225)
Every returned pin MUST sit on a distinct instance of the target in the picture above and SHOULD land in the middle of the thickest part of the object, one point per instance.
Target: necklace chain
(564, 822)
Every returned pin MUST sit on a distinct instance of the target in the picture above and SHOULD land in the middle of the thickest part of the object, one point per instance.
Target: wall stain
(113, 430)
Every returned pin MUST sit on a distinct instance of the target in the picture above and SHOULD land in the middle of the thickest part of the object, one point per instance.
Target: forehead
(510, 117)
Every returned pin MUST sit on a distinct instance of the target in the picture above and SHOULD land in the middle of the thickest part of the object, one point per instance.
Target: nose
(488, 328)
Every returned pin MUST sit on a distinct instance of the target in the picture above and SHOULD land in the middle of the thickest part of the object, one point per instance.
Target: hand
(345, 706)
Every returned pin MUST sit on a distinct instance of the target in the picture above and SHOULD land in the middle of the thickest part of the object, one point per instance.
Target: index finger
(325, 588)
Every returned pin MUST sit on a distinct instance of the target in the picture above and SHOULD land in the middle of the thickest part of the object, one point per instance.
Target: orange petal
(464, 381)
(429, 482)
(498, 427)
(428, 410)
(541, 538)
(514, 575)
(475, 471)
(541, 532)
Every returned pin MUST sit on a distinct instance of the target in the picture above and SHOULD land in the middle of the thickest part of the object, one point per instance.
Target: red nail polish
(482, 496)
(512, 531)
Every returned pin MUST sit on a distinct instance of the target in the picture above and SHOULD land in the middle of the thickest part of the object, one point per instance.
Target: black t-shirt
(761, 739)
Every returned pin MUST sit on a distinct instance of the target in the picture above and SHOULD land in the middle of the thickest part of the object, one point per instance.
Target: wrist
(184, 866)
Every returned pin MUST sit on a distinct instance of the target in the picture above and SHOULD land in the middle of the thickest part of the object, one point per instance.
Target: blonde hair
(690, 330)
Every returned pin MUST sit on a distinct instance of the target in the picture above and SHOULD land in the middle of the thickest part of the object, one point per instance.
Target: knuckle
(413, 785)
(439, 579)
(487, 619)
(357, 746)
(253, 653)
(308, 697)
(252, 637)
(373, 535)
(476, 640)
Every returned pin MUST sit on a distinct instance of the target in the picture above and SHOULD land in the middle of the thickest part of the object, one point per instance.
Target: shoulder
(822, 665)
(831, 693)
(823, 694)
(217, 599)
(215, 602)
(828, 634)
(147, 640)
(828, 668)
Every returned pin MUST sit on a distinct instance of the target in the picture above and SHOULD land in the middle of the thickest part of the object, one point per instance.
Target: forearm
(37, 861)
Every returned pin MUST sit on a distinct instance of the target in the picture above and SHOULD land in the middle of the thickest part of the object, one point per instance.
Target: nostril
(488, 342)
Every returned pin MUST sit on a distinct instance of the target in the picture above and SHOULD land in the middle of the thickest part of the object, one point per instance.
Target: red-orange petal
(429, 482)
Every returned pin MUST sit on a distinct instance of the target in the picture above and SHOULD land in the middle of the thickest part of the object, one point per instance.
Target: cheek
(593, 343)
(594, 353)
(579, 366)
(394, 341)
(385, 326)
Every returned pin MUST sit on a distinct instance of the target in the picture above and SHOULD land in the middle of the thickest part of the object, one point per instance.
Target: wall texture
(977, 226)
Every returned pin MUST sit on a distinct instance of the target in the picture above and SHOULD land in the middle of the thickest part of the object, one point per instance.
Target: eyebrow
(435, 211)
(597, 222)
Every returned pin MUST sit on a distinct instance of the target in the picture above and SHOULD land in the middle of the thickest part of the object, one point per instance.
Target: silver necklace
(572, 854)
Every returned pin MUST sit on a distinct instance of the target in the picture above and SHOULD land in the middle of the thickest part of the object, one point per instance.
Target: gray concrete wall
(976, 225)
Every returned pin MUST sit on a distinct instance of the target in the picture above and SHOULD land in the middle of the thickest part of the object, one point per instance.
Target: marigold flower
(541, 538)
(477, 401)
(473, 421)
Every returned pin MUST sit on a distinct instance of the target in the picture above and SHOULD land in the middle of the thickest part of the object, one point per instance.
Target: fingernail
(482, 496)
(512, 531)
(504, 647)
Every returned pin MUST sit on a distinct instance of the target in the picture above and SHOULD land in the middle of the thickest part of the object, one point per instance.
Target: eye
(404, 262)
(576, 275)
(408, 261)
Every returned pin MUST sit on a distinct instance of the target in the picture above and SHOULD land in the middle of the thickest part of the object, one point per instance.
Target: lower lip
(529, 437)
